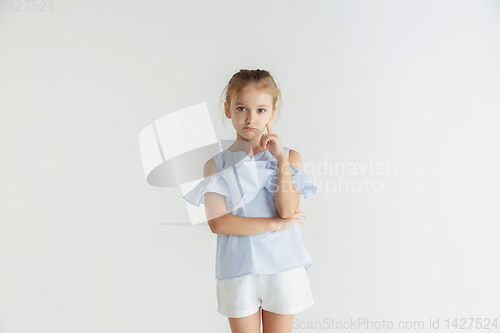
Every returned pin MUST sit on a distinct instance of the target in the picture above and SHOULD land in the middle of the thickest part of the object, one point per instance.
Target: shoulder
(210, 169)
(294, 158)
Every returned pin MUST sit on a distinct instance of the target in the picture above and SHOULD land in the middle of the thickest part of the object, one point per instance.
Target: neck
(247, 145)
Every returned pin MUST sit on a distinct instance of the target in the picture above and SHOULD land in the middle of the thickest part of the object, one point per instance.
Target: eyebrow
(257, 105)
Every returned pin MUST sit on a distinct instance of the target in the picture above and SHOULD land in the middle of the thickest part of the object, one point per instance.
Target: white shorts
(282, 293)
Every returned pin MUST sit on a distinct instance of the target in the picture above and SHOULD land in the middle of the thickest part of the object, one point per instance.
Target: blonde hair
(258, 78)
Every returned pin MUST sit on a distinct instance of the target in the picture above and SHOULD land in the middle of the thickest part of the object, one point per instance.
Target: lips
(249, 128)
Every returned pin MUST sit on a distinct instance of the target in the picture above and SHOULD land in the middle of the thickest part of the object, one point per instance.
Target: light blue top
(248, 186)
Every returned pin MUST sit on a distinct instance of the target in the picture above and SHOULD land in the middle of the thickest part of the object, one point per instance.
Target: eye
(241, 107)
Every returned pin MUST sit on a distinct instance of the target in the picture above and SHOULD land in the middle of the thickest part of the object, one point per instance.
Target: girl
(251, 192)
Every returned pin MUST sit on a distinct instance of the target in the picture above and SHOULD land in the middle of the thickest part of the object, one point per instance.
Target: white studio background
(405, 90)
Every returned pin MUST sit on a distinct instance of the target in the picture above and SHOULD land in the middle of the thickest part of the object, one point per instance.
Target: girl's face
(251, 109)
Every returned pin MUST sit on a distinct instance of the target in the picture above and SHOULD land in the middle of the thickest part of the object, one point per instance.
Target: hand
(271, 142)
(285, 223)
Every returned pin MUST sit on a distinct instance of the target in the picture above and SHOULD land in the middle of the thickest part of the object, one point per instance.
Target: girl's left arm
(286, 197)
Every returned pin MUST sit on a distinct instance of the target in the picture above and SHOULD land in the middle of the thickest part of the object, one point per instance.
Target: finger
(261, 143)
(266, 141)
(269, 129)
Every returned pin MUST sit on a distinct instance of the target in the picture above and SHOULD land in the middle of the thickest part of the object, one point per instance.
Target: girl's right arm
(224, 223)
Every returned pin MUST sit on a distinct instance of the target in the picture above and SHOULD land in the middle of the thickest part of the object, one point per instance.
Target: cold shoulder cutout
(241, 181)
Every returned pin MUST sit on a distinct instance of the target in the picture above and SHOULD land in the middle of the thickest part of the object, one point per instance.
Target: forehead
(253, 96)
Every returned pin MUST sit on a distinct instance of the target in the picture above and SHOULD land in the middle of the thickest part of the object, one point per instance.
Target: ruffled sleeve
(215, 184)
(241, 183)
(305, 185)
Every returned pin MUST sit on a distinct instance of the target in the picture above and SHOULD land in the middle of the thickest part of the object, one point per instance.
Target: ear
(226, 110)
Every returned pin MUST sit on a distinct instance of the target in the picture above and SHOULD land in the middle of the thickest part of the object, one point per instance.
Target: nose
(250, 117)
